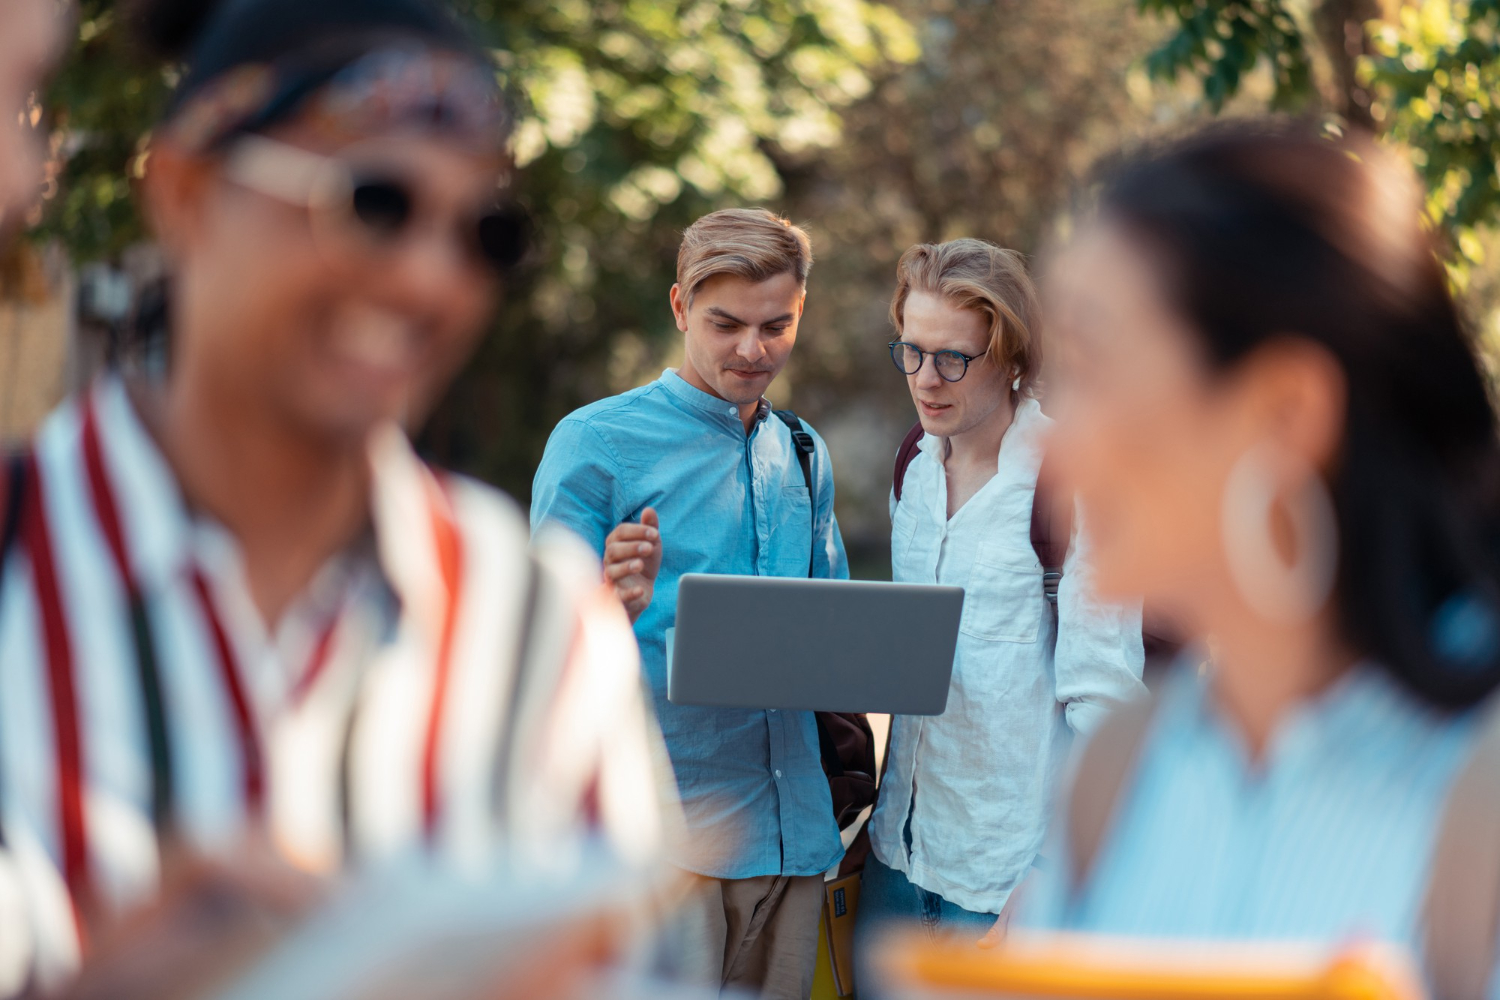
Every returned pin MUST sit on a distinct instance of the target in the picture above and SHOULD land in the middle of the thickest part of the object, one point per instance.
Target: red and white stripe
(261, 722)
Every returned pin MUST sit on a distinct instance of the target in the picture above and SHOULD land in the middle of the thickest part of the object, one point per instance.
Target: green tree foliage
(1425, 73)
(986, 135)
(643, 115)
(636, 116)
(1223, 42)
(102, 103)
(1437, 74)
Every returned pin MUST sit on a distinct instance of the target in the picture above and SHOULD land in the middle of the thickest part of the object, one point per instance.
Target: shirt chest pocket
(903, 533)
(791, 528)
(1003, 601)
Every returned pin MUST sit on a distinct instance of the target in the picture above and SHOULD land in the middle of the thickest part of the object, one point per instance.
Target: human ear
(1301, 395)
(679, 307)
(174, 190)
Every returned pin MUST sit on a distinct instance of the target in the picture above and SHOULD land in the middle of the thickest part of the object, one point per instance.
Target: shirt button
(778, 772)
(771, 710)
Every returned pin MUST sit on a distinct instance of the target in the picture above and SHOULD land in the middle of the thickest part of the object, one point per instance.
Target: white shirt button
(771, 710)
(778, 772)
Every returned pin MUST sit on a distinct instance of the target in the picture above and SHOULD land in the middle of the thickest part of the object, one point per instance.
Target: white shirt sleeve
(1099, 652)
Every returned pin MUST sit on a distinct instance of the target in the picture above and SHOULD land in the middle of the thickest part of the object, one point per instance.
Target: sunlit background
(876, 125)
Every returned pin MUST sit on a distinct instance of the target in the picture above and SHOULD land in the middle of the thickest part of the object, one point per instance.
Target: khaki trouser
(761, 934)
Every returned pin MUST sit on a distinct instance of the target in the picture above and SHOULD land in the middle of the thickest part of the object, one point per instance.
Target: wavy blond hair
(991, 280)
(750, 243)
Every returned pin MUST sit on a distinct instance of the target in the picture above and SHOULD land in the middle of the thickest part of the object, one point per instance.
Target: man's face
(739, 333)
(946, 409)
(31, 35)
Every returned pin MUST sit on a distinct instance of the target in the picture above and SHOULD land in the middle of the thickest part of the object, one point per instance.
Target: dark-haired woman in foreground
(1281, 435)
(235, 603)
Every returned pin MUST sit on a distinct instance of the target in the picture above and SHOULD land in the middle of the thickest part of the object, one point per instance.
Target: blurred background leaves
(876, 124)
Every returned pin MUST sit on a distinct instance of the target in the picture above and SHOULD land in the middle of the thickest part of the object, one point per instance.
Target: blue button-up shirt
(752, 783)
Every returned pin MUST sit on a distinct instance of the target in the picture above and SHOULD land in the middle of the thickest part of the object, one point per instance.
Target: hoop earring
(1279, 593)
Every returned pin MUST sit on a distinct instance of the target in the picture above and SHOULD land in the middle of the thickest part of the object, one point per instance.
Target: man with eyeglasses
(695, 474)
(965, 798)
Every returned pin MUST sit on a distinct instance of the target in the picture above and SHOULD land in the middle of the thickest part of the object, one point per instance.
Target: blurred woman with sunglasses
(234, 601)
(1280, 433)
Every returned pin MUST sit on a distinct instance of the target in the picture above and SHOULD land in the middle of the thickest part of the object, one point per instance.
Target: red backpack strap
(904, 455)
(1051, 531)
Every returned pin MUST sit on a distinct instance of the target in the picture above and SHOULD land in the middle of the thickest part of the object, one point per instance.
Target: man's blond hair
(992, 281)
(749, 243)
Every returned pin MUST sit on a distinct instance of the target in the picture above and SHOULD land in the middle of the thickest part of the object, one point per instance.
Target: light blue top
(1328, 838)
(752, 783)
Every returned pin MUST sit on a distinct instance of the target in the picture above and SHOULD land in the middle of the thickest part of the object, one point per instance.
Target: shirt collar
(718, 410)
(164, 534)
(153, 512)
(1025, 435)
(1363, 707)
(406, 498)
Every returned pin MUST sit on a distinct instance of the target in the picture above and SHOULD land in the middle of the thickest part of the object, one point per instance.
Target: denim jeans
(888, 895)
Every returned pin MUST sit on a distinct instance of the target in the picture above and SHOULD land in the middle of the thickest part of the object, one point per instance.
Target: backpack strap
(1462, 909)
(12, 489)
(1051, 532)
(828, 744)
(1105, 763)
(910, 446)
(806, 448)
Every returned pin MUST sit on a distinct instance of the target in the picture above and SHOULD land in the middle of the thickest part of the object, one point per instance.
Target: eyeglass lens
(504, 236)
(950, 365)
(499, 237)
(384, 207)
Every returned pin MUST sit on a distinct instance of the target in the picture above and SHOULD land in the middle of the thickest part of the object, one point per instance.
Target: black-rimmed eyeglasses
(950, 365)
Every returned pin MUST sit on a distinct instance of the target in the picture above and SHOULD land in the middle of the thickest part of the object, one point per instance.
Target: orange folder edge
(1083, 966)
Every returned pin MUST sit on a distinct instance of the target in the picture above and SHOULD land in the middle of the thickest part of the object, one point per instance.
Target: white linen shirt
(976, 782)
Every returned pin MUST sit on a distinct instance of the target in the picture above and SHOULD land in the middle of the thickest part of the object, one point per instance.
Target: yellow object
(1087, 967)
(824, 988)
(834, 977)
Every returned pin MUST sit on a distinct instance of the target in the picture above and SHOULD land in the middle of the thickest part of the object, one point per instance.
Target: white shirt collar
(163, 534)
(1023, 439)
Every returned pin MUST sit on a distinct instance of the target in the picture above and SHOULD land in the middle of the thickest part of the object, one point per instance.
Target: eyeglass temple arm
(279, 170)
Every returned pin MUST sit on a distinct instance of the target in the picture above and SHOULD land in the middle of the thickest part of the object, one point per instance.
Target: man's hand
(632, 558)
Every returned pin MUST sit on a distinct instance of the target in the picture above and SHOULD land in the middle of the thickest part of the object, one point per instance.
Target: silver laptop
(826, 645)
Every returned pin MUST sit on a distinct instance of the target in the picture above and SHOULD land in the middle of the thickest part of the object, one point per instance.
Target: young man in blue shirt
(693, 474)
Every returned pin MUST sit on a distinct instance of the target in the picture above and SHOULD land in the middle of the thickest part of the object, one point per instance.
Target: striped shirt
(1328, 838)
(443, 687)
